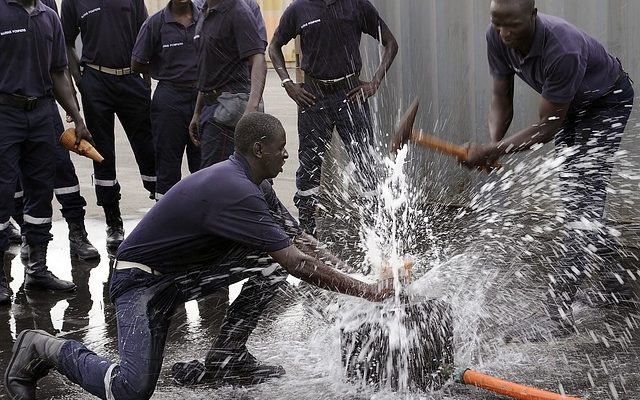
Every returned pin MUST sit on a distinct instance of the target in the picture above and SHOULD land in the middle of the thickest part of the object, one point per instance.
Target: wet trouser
(144, 306)
(128, 97)
(171, 111)
(588, 142)
(315, 130)
(65, 185)
(216, 140)
(27, 150)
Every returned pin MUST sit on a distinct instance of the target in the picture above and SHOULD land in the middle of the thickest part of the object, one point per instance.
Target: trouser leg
(98, 100)
(315, 129)
(171, 112)
(588, 141)
(144, 305)
(133, 111)
(216, 140)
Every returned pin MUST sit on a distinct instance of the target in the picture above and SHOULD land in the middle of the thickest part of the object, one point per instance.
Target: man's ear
(257, 150)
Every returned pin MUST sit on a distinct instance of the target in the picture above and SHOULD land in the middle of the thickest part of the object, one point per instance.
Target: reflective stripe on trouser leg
(37, 164)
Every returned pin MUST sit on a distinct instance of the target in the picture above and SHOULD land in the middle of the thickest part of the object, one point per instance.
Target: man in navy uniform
(109, 87)
(231, 75)
(32, 72)
(67, 190)
(586, 99)
(166, 51)
(332, 96)
(213, 228)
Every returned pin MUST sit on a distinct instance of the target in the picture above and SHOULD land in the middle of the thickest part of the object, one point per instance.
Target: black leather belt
(26, 103)
(181, 84)
(331, 85)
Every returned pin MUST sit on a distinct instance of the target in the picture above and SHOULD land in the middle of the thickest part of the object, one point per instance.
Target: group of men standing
(225, 223)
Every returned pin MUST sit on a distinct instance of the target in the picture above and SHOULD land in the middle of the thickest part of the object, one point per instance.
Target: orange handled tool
(506, 388)
(68, 141)
(405, 133)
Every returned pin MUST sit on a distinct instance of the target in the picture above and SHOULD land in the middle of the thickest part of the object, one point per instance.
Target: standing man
(215, 227)
(332, 96)
(32, 72)
(231, 75)
(109, 87)
(586, 99)
(67, 190)
(165, 50)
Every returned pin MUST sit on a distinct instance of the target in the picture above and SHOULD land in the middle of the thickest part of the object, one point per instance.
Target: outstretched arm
(64, 95)
(316, 272)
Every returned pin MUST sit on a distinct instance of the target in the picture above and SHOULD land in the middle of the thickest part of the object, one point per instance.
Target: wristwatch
(284, 81)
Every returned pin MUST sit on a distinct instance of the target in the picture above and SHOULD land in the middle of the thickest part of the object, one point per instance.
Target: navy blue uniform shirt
(109, 29)
(225, 37)
(51, 4)
(168, 47)
(330, 34)
(31, 47)
(204, 215)
(564, 64)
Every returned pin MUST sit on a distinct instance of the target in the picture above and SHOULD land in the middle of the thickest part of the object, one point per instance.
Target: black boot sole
(45, 289)
(14, 350)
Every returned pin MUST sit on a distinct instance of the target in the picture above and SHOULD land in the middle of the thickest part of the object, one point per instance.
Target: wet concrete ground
(489, 295)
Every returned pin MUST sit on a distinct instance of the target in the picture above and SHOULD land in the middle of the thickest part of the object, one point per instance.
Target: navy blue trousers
(129, 97)
(216, 140)
(145, 305)
(27, 148)
(66, 186)
(171, 111)
(315, 130)
(588, 141)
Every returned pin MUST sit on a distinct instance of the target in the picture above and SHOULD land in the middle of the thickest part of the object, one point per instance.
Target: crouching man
(214, 228)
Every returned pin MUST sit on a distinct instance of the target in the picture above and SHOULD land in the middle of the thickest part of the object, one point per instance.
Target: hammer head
(405, 127)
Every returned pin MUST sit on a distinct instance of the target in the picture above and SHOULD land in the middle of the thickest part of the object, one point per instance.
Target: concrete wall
(442, 60)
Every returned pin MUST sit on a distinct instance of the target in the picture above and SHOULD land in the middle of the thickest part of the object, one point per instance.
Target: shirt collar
(220, 8)
(168, 16)
(37, 5)
(538, 39)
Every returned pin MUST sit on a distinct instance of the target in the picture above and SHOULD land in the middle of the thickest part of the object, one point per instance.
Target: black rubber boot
(35, 352)
(14, 234)
(5, 291)
(240, 367)
(37, 274)
(79, 245)
(115, 229)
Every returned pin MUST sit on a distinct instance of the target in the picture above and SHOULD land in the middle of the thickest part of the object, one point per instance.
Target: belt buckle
(30, 103)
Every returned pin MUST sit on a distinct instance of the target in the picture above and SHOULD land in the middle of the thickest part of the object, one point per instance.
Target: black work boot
(115, 229)
(14, 234)
(37, 274)
(5, 290)
(239, 367)
(35, 352)
(79, 245)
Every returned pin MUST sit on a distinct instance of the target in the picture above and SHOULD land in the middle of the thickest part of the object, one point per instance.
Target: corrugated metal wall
(442, 60)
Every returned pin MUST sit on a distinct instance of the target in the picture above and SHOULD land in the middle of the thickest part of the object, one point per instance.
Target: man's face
(274, 154)
(514, 23)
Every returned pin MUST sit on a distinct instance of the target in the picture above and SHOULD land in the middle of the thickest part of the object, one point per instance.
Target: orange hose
(514, 390)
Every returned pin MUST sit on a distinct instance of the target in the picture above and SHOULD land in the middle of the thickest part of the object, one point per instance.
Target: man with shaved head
(216, 227)
(586, 99)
